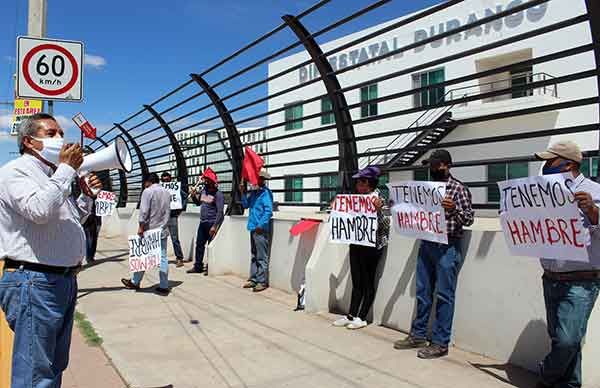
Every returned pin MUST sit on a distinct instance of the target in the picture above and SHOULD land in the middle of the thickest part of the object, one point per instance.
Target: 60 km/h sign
(49, 69)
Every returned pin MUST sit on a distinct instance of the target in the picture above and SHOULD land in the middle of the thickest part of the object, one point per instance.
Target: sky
(138, 50)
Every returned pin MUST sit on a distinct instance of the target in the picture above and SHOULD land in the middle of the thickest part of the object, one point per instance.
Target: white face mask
(52, 147)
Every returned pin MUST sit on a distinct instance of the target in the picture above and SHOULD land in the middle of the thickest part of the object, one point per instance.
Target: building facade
(451, 18)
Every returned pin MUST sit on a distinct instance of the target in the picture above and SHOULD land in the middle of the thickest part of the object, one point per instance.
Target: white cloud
(64, 122)
(95, 61)
(5, 121)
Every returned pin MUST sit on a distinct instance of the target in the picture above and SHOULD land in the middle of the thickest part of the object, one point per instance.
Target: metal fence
(207, 121)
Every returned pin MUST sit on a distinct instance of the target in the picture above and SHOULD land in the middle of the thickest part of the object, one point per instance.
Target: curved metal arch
(136, 148)
(123, 192)
(348, 161)
(237, 153)
(182, 173)
(593, 8)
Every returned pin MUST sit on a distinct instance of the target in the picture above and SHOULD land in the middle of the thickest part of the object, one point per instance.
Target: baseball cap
(264, 173)
(438, 156)
(563, 149)
(371, 172)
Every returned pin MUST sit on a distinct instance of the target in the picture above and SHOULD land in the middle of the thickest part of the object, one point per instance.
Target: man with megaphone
(42, 244)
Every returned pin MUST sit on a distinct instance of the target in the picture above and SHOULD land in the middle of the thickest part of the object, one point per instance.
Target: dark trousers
(437, 273)
(92, 231)
(259, 264)
(173, 226)
(568, 308)
(363, 267)
(202, 238)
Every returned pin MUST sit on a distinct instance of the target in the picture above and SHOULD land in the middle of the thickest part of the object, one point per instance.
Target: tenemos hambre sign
(540, 218)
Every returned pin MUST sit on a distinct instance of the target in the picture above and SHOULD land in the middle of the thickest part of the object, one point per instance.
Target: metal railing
(202, 122)
(526, 78)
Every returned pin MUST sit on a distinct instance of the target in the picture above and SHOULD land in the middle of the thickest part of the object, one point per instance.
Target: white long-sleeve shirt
(592, 235)
(39, 222)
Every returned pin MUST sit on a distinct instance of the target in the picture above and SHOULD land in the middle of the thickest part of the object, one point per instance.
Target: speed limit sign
(49, 69)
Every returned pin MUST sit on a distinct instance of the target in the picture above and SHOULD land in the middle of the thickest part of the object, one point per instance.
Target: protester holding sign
(438, 265)
(570, 287)
(154, 214)
(211, 202)
(42, 244)
(173, 224)
(260, 202)
(366, 251)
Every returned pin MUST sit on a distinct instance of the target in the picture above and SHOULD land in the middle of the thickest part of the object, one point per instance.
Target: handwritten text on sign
(144, 253)
(175, 190)
(105, 203)
(353, 220)
(418, 211)
(540, 218)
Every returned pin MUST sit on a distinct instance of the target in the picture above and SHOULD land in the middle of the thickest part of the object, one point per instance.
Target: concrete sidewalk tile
(212, 333)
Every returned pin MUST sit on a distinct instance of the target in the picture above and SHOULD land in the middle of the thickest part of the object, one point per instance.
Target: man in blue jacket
(260, 203)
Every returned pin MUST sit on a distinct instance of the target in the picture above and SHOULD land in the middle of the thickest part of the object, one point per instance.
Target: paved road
(211, 333)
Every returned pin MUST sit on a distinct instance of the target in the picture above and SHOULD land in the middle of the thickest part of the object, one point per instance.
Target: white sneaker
(342, 322)
(357, 323)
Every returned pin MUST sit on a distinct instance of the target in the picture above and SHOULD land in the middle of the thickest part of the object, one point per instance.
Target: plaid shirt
(463, 214)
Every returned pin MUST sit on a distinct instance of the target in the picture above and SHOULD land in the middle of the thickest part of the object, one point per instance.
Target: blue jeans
(164, 268)
(202, 238)
(437, 271)
(568, 308)
(259, 265)
(39, 309)
(173, 226)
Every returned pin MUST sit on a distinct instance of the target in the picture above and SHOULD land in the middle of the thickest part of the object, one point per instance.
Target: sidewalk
(89, 367)
(211, 333)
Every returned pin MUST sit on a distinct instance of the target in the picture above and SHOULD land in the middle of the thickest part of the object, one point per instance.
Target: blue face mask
(549, 170)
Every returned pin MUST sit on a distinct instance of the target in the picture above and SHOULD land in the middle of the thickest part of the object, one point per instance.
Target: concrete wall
(499, 305)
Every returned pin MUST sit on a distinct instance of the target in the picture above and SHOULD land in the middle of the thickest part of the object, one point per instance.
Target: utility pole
(36, 27)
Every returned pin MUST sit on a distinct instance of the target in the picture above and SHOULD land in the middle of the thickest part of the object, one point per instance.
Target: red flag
(210, 174)
(303, 226)
(251, 166)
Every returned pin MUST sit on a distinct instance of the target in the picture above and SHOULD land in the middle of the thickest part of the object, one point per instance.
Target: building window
(384, 179)
(430, 96)
(293, 112)
(521, 77)
(589, 167)
(422, 174)
(328, 182)
(502, 172)
(368, 93)
(326, 105)
(293, 182)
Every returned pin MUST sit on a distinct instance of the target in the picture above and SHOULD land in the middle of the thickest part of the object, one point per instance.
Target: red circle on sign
(49, 46)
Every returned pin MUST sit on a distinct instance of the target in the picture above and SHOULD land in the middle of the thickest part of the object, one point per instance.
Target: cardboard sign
(353, 220)
(175, 190)
(540, 218)
(105, 203)
(418, 211)
(144, 253)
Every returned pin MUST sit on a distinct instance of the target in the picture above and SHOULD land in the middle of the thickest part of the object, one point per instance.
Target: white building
(196, 143)
(453, 17)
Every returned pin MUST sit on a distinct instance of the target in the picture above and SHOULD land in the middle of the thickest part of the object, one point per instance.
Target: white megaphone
(115, 156)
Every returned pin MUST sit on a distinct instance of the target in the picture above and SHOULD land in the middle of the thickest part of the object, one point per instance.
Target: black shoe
(260, 287)
(179, 263)
(194, 270)
(432, 351)
(162, 291)
(410, 342)
(129, 284)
